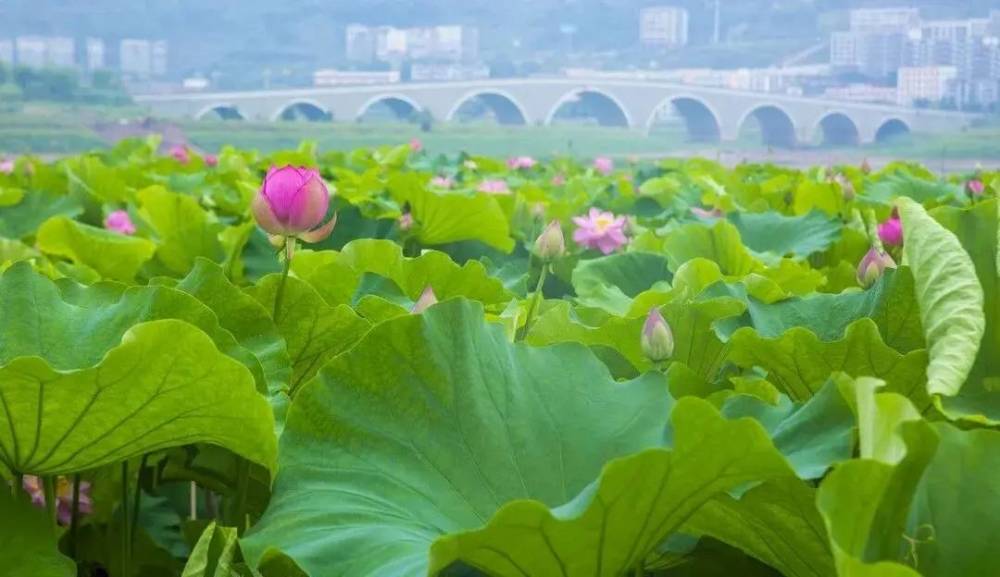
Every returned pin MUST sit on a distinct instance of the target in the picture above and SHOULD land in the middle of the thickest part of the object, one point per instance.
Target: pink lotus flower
(426, 300)
(64, 497)
(706, 214)
(604, 165)
(293, 202)
(890, 232)
(442, 182)
(600, 230)
(559, 179)
(120, 222)
(416, 145)
(494, 187)
(975, 187)
(405, 221)
(211, 160)
(521, 163)
(180, 153)
(6, 166)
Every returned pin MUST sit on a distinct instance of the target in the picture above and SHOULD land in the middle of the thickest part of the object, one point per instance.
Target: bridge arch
(891, 128)
(700, 118)
(507, 110)
(224, 111)
(776, 125)
(402, 106)
(602, 105)
(836, 128)
(302, 108)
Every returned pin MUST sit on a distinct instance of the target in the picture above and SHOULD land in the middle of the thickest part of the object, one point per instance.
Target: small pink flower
(706, 214)
(494, 186)
(559, 179)
(441, 182)
(180, 153)
(6, 166)
(211, 160)
(416, 145)
(600, 230)
(120, 222)
(64, 497)
(891, 231)
(521, 163)
(975, 187)
(405, 221)
(427, 299)
(604, 165)
(293, 202)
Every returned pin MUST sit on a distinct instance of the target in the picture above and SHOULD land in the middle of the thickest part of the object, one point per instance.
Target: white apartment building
(141, 59)
(45, 51)
(389, 44)
(333, 77)
(925, 83)
(663, 27)
(884, 20)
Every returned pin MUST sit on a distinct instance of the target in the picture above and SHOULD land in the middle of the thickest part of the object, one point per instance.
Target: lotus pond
(392, 363)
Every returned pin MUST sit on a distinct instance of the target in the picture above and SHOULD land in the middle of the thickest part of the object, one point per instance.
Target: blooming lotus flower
(120, 222)
(604, 165)
(64, 497)
(600, 230)
(416, 145)
(890, 232)
(521, 163)
(211, 160)
(180, 153)
(551, 243)
(6, 166)
(405, 221)
(426, 300)
(442, 182)
(494, 187)
(702, 213)
(559, 179)
(975, 187)
(293, 202)
(657, 339)
(872, 266)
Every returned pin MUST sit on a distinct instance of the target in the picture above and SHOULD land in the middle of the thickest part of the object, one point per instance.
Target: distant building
(863, 93)
(360, 44)
(141, 59)
(45, 51)
(94, 56)
(394, 45)
(390, 44)
(930, 84)
(884, 20)
(663, 27)
(430, 72)
(876, 43)
(7, 51)
(332, 77)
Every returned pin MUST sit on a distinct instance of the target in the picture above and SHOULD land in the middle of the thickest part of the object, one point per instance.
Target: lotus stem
(279, 296)
(242, 485)
(126, 522)
(74, 516)
(193, 501)
(49, 490)
(533, 305)
(138, 498)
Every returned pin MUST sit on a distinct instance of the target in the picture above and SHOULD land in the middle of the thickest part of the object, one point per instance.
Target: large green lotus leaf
(431, 424)
(113, 255)
(949, 295)
(798, 362)
(89, 176)
(245, 318)
(38, 318)
(28, 544)
(24, 218)
(444, 217)
(165, 385)
(890, 302)
(798, 236)
(776, 522)
(976, 228)
(314, 331)
(337, 275)
(697, 344)
(921, 190)
(719, 243)
(611, 282)
(184, 229)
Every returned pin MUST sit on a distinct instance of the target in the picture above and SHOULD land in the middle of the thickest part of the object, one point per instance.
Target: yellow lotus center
(602, 223)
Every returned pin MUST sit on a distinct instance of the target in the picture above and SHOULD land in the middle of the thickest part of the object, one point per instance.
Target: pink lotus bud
(494, 187)
(211, 160)
(550, 244)
(604, 165)
(426, 300)
(441, 182)
(64, 497)
(890, 232)
(657, 339)
(975, 187)
(6, 166)
(293, 202)
(521, 163)
(405, 221)
(866, 168)
(846, 187)
(559, 179)
(416, 145)
(120, 222)
(872, 266)
(538, 210)
(180, 153)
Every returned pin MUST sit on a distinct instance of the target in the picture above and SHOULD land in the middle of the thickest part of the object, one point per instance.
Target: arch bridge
(708, 114)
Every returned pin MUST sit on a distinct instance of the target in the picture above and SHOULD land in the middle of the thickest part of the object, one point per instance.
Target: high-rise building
(663, 27)
(925, 83)
(94, 58)
(45, 51)
(359, 44)
(141, 59)
(884, 20)
(6, 51)
(393, 45)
